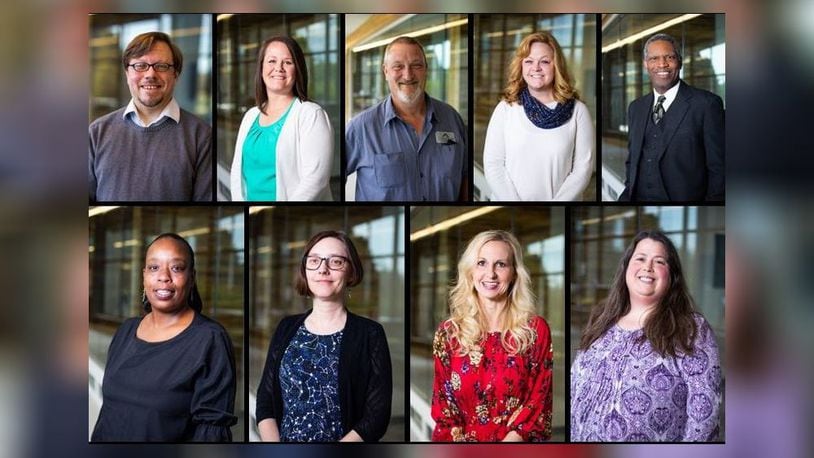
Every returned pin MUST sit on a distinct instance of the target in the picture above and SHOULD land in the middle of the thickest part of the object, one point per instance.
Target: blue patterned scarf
(544, 117)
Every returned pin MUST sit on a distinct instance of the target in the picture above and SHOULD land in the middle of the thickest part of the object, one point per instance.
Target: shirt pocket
(390, 169)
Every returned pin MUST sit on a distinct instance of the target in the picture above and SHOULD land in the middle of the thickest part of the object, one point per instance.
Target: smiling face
(648, 273)
(279, 71)
(662, 65)
(494, 272)
(324, 283)
(152, 90)
(538, 67)
(406, 72)
(168, 275)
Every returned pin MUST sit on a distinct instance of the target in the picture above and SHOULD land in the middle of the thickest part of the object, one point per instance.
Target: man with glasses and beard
(152, 149)
(409, 146)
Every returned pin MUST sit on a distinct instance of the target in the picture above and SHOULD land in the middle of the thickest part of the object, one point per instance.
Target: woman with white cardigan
(540, 141)
(284, 149)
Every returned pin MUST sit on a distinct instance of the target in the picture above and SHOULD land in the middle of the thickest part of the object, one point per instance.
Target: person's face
(662, 65)
(538, 67)
(648, 274)
(494, 271)
(168, 275)
(279, 71)
(326, 283)
(152, 90)
(405, 72)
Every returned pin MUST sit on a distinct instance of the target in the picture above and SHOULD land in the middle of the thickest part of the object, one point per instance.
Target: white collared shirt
(670, 96)
(172, 110)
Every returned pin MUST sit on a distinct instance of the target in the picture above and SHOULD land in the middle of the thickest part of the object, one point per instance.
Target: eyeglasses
(142, 67)
(334, 262)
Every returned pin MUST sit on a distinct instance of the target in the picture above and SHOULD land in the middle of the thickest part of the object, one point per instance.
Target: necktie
(658, 111)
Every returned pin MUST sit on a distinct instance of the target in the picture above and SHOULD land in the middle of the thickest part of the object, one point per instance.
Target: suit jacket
(691, 160)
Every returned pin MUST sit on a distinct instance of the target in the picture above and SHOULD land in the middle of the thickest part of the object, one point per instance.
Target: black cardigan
(365, 376)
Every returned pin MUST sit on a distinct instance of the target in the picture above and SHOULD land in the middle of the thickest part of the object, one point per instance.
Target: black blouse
(365, 376)
(178, 390)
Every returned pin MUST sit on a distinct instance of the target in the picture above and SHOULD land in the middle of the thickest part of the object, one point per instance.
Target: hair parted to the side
(669, 328)
(466, 325)
(355, 274)
(194, 301)
(564, 89)
(300, 88)
(144, 42)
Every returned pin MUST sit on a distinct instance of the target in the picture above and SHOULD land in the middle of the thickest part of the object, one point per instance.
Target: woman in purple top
(647, 369)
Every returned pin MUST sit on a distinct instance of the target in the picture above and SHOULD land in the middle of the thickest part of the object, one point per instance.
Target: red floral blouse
(482, 396)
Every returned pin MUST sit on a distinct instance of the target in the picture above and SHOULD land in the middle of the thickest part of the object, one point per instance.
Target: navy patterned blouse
(309, 382)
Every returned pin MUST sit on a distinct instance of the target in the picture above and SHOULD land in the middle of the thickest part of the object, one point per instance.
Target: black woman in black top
(170, 375)
(328, 374)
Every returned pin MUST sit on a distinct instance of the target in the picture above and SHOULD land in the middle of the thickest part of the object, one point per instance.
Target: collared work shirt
(394, 163)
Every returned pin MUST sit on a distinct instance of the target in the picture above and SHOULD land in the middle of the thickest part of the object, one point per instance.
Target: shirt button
(421, 175)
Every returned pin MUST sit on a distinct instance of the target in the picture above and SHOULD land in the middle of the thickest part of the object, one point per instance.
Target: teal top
(260, 158)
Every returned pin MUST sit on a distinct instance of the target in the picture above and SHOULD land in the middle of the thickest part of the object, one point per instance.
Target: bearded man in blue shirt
(409, 146)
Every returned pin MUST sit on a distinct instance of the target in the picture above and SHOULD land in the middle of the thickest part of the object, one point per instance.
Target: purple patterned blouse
(625, 392)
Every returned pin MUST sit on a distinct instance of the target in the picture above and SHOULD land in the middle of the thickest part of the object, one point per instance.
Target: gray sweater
(167, 161)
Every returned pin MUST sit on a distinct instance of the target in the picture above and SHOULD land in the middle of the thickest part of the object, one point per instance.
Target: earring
(348, 291)
(143, 296)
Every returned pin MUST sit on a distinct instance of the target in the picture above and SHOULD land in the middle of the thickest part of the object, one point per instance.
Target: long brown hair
(300, 88)
(563, 82)
(671, 327)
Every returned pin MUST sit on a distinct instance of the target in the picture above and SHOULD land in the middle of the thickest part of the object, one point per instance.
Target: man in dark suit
(676, 134)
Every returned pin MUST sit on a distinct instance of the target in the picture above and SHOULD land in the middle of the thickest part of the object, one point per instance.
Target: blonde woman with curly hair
(493, 355)
(540, 140)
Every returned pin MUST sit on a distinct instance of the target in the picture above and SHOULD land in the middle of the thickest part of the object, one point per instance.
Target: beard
(410, 98)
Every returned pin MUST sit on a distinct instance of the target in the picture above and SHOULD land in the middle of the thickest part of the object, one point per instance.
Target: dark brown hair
(143, 43)
(300, 76)
(670, 327)
(194, 301)
(356, 270)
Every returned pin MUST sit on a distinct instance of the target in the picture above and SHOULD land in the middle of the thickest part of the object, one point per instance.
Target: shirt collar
(390, 110)
(670, 95)
(172, 111)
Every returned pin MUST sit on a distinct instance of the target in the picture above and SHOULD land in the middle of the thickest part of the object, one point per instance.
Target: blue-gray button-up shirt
(392, 162)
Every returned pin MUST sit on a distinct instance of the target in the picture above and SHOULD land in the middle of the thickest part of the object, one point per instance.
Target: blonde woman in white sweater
(540, 140)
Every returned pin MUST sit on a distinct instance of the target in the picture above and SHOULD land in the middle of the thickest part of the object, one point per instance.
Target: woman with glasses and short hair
(328, 375)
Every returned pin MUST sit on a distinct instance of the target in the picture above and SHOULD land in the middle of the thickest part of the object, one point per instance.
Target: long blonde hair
(563, 82)
(466, 326)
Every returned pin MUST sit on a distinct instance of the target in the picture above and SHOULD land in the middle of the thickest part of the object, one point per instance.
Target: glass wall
(624, 77)
(438, 236)
(497, 36)
(277, 238)
(600, 236)
(111, 33)
(239, 38)
(116, 248)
